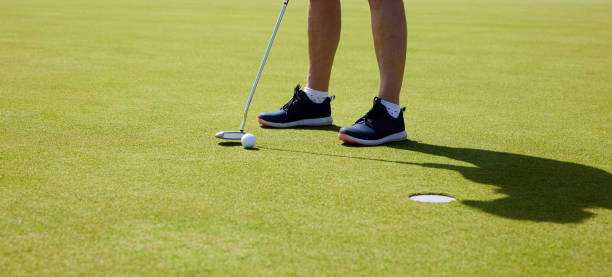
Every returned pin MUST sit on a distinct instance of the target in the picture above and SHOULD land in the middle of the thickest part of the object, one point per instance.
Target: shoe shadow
(331, 128)
(536, 189)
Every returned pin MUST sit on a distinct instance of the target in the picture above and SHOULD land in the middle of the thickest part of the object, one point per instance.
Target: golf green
(109, 164)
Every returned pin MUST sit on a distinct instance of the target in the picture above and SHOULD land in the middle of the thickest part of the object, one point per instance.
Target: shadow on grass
(537, 189)
(331, 128)
(230, 143)
(234, 144)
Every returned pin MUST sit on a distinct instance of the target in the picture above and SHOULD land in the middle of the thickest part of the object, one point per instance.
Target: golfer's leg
(384, 122)
(389, 30)
(323, 38)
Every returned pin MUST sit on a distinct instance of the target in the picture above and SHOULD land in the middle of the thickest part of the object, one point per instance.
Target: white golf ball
(248, 141)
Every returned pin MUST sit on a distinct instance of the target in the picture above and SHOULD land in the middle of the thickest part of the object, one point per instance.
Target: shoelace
(293, 100)
(368, 118)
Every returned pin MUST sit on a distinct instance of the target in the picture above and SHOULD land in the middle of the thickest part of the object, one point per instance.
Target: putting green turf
(109, 164)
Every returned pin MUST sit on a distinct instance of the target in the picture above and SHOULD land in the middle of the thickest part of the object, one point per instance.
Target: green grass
(109, 166)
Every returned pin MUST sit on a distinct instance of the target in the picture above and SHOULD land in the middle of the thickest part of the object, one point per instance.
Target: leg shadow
(537, 189)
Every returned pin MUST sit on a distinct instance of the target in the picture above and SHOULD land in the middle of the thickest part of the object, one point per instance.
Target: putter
(237, 135)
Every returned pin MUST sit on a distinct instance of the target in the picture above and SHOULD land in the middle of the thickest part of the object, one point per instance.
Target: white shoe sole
(401, 136)
(304, 122)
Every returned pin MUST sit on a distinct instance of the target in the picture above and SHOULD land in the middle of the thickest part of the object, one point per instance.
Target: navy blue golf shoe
(299, 111)
(375, 127)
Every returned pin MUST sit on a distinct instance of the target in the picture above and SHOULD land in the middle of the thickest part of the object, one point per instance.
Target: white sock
(392, 109)
(316, 95)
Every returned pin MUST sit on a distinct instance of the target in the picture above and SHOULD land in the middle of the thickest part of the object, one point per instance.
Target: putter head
(230, 135)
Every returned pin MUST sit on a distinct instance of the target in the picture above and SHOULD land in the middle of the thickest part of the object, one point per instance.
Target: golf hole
(432, 198)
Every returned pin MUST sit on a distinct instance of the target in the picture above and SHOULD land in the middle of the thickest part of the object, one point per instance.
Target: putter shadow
(535, 189)
(230, 143)
(337, 156)
(235, 144)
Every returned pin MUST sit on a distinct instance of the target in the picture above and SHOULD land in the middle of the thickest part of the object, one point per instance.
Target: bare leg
(389, 30)
(323, 37)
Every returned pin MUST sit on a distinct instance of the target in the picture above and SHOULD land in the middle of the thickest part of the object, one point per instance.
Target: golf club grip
(263, 63)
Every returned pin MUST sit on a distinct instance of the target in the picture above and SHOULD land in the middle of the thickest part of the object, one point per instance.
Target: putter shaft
(263, 62)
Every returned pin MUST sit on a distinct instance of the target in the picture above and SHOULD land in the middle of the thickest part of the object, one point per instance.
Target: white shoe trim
(304, 122)
(393, 137)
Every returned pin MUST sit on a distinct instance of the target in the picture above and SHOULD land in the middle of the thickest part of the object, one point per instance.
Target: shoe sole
(401, 136)
(304, 122)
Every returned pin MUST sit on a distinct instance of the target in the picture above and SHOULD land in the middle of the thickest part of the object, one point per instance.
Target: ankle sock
(392, 109)
(316, 95)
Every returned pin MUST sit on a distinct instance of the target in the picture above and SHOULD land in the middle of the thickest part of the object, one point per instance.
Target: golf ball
(248, 141)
